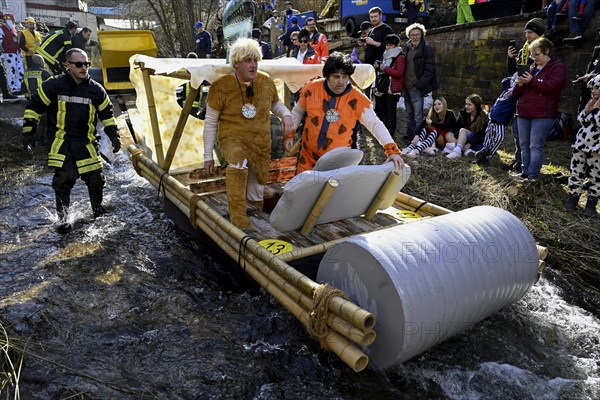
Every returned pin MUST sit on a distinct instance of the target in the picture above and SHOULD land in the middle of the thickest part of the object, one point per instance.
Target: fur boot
(236, 180)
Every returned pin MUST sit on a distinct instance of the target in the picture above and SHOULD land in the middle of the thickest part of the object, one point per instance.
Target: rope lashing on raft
(242, 251)
(193, 206)
(135, 154)
(419, 207)
(161, 185)
(317, 325)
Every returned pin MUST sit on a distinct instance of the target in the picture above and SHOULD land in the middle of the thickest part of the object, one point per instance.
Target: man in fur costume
(238, 114)
(333, 107)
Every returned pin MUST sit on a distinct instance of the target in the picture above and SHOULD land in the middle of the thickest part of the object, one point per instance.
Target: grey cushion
(338, 158)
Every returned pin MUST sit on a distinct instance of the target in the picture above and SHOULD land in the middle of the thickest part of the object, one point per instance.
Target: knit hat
(256, 33)
(537, 25)
(391, 38)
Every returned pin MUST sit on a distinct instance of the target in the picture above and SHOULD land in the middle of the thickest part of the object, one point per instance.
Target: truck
(353, 12)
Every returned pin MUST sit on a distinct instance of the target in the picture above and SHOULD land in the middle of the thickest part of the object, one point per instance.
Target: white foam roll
(431, 279)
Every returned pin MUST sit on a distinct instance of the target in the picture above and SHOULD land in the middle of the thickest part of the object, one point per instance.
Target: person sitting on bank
(436, 129)
(238, 107)
(333, 107)
(470, 129)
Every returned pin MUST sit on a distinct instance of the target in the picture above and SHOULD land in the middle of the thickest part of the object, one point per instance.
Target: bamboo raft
(272, 258)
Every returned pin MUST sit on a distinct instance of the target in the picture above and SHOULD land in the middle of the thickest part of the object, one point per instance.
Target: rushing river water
(128, 307)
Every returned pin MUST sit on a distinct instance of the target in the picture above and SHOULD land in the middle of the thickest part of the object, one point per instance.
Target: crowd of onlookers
(27, 49)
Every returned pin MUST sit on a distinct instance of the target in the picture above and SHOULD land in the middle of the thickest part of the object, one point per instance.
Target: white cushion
(338, 158)
(357, 187)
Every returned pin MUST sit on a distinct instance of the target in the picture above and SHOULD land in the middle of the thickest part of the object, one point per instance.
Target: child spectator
(471, 125)
(585, 162)
(500, 115)
(436, 128)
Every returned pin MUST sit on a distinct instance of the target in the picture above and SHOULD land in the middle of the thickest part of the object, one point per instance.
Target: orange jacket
(319, 42)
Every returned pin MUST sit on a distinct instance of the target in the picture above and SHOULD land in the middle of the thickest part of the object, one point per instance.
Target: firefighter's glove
(116, 143)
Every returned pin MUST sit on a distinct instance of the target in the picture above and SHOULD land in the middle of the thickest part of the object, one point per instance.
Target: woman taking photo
(470, 126)
(538, 92)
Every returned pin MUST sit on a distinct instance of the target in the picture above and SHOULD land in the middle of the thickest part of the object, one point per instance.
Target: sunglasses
(80, 64)
(303, 41)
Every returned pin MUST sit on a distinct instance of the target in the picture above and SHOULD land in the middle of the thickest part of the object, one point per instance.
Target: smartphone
(522, 68)
(513, 43)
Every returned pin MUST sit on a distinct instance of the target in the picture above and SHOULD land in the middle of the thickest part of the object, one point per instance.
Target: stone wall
(471, 58)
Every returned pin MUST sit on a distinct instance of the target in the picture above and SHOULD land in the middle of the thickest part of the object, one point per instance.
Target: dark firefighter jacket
(73, 111)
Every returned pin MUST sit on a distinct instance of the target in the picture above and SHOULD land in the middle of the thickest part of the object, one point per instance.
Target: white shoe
(414, 153)
(406, 150)
(431, 151)
(469, 152)
(456, 153)
(449, 147)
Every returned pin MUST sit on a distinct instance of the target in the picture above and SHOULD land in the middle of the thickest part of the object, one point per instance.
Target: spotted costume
(585, 162)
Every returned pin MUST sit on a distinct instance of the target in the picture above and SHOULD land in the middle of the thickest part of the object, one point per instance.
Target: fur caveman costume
(241, 138)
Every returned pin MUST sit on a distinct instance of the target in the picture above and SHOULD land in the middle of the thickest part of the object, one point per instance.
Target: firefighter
(74, 103)
(55, 46)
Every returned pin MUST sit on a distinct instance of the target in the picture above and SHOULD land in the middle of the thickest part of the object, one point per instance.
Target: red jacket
(539, 98)
(10, 42)
(397, 74)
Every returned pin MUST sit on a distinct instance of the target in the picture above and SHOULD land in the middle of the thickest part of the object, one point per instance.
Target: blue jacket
(203, 42)
(504, 108)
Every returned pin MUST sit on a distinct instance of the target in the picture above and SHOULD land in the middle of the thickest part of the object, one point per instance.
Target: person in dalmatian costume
(11, 54)
(585, 162)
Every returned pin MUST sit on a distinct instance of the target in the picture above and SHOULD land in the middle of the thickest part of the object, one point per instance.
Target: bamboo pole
(364, 338)
(542, 252)
(153, 114)
(348, 311)
(183, 117)
(319, 206)
(334, 341)
(383, 193)
(415, 203)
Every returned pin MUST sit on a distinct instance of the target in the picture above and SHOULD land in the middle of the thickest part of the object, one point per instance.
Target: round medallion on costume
(332, 116)
(248, 110)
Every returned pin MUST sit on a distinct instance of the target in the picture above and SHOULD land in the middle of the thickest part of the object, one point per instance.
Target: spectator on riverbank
(538, 93)
(318, 40)
(585, 162)
(10, 54)
(285, 39)
(578, 23)
(386, 100)
(534, 29)
(463, 12)
(470, 127)
(420, 77)
(435, 132)
(82, 38)
(501, 113)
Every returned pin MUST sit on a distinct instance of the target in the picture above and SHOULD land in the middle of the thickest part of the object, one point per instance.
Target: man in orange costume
(332, 107)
